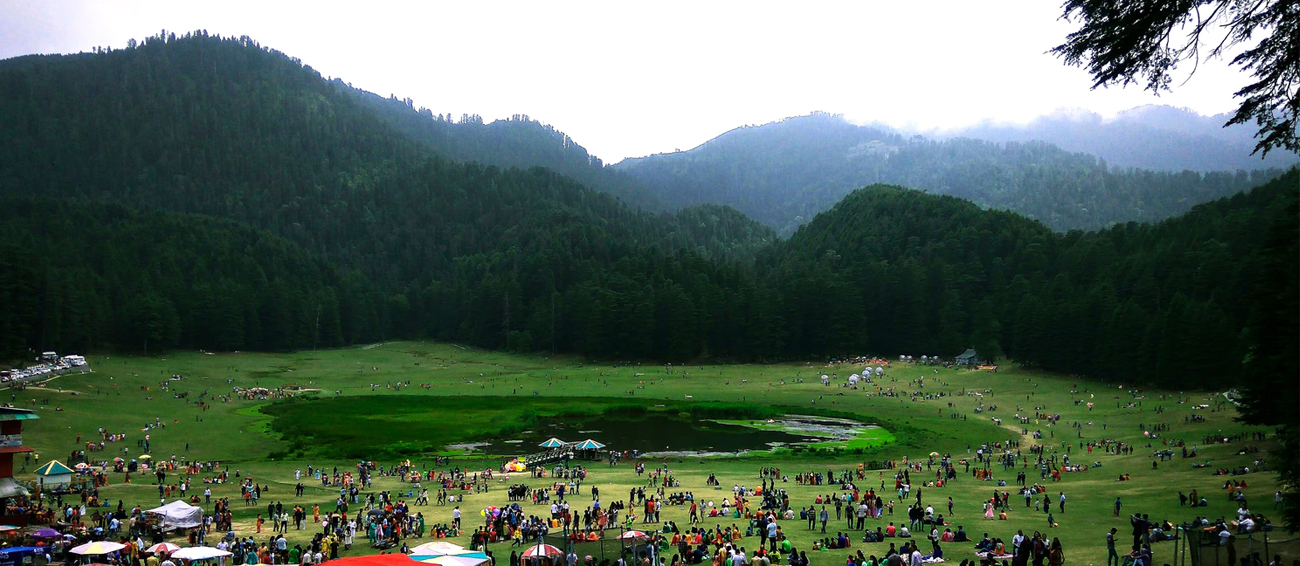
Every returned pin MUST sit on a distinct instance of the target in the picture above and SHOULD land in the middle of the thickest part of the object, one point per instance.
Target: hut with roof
(969, 358)
(54, 474)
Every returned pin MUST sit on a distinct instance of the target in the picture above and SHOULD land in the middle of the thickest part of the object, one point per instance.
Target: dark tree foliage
(1271, 388)
(782, 174)
(1138, 42)
(225, 128)
(79, 277)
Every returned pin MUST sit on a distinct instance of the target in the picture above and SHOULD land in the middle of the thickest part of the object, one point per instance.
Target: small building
(969, 358)
(54, 473)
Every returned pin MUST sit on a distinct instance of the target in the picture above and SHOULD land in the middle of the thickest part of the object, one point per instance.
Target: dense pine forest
(204, 192)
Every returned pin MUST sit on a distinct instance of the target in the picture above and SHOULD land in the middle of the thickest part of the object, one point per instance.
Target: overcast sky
(627, 79)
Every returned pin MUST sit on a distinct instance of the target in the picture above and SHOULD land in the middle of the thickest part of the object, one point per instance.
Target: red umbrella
(541, 550)
(633, 535)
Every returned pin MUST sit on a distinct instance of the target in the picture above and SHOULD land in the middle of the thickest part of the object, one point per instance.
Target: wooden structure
(11, 444)
(968, 358)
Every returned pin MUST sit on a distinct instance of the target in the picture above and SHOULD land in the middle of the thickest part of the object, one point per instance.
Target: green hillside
(402, 242)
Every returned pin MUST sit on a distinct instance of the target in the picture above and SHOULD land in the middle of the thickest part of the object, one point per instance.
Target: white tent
(200, 553)
(179, 515)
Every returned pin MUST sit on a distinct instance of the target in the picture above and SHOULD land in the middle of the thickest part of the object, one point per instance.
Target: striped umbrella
(162, 547)
(541, 551)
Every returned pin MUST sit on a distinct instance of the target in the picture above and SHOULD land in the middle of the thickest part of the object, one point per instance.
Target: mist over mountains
(1150, 137)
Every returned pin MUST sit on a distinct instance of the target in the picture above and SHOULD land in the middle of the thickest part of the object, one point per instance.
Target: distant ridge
(1150, 137)
(785, 172)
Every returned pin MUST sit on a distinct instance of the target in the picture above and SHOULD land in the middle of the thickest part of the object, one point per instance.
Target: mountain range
(209, 192)
(784, 173)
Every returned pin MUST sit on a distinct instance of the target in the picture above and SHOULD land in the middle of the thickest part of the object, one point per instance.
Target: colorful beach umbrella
(470, 559)
(45, 533)
(97, 547)
(437, 548)
(394, 559)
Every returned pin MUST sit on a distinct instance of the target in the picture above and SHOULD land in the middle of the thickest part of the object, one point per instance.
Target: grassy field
(456, 393)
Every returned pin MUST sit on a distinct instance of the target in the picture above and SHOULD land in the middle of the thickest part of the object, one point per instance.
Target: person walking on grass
(1055, 555)
(825, 516)
(1110, 548)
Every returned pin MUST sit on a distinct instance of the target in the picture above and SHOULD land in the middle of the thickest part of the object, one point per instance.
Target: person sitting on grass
(961, 535)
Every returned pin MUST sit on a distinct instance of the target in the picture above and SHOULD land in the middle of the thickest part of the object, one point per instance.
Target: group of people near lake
(720, 529)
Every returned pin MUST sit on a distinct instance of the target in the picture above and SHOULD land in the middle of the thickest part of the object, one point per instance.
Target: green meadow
(411, 399)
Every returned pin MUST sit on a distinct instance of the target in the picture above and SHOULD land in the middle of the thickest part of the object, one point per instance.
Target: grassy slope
(236, 432)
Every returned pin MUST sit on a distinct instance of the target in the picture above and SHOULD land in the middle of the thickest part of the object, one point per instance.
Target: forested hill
(784, 173)
(923, 274)
(516, 142)
(226, 128)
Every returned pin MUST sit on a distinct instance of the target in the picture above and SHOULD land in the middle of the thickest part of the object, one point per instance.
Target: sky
(630, 78)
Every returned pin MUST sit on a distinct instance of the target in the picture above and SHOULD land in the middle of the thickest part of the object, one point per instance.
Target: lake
(672, 435)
